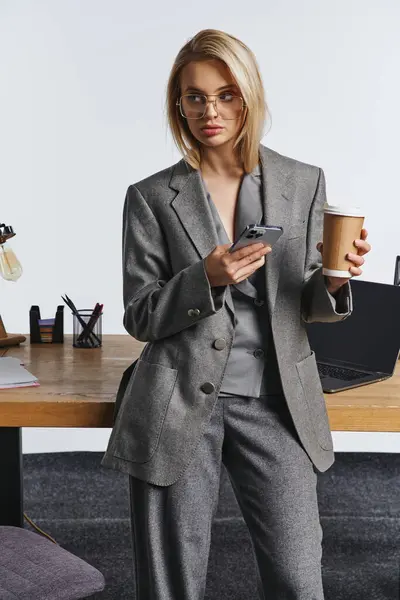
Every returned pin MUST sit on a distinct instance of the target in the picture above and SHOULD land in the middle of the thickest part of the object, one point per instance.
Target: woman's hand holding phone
(224, 268)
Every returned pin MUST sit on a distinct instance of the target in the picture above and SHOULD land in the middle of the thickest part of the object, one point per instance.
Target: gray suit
(185, 408)
(167, 396)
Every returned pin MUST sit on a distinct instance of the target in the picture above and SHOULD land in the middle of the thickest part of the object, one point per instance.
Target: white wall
(81, 117)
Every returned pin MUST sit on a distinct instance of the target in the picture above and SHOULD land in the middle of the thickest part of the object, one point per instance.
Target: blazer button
(208, 387)
(258, 302)
(193, 312)
(219, 343)
(258, 353)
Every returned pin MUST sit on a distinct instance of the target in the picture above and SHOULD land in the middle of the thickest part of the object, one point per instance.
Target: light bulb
(10, 267)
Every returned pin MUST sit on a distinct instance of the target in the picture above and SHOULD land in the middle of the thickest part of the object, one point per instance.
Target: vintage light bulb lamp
(10, 270)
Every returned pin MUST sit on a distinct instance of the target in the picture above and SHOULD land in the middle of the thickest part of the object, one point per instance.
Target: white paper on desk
(18, 385)
(10, 360)
(12, 374)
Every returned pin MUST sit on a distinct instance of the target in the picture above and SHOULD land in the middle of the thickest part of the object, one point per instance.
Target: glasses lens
(193, 106)
(229, 107)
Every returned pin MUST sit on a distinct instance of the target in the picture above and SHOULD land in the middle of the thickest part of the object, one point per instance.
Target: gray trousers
(274, 482)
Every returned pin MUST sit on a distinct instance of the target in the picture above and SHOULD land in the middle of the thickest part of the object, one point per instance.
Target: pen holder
(87, 333)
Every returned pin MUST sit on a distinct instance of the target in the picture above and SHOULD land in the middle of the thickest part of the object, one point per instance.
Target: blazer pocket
(143, 409)
(307, 371)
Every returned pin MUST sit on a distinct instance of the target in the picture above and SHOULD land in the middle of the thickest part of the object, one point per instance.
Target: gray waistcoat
(252, 369)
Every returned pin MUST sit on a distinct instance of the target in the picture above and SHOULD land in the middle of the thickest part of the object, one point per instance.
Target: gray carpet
(85, 508)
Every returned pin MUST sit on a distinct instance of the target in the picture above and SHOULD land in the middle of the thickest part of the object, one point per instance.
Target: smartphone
(253, 234)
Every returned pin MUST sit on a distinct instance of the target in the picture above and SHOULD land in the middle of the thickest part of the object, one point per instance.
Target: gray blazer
(167, 395)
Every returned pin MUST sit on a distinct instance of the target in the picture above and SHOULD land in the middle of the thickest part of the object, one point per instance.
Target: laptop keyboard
(339, 372)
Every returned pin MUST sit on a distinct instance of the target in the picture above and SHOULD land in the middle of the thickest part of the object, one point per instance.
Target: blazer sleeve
(157, 303)
(317, 303)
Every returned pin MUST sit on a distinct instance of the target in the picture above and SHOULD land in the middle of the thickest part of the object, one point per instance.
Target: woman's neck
(215, 162)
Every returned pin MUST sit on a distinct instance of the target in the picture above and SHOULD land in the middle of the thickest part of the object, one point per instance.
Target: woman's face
(211, 77)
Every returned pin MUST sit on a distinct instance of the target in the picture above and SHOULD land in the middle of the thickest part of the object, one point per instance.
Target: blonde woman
(227, 375)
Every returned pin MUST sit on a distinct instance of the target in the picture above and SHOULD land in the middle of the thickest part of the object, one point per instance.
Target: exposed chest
(225, 196)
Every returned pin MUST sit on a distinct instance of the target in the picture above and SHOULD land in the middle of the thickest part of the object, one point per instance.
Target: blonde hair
(215, 44)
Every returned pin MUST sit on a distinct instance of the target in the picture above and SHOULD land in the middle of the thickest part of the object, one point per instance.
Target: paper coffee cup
(342, 225)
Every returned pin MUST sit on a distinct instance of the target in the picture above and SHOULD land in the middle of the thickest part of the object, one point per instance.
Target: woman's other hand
(363, 247)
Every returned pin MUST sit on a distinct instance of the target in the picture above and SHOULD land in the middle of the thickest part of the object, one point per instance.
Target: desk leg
(11, 477)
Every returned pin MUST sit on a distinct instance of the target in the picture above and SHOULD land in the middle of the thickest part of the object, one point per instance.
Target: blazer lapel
(279, 187)
(192, 207)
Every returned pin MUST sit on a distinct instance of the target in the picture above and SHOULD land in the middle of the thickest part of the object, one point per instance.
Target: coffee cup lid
(343, 209)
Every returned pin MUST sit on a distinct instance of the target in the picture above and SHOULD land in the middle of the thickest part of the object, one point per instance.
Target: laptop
(364, 347)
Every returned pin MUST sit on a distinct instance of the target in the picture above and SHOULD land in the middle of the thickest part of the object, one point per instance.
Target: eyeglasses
(194, 106)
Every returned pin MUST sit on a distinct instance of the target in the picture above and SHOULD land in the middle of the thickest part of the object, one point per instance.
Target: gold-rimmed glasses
(227, 105)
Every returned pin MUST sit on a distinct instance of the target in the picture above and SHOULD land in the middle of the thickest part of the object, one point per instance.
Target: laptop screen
(370, 336)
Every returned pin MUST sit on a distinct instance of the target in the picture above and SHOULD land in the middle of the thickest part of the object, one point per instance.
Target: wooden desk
(78, 388)
(77, 385)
